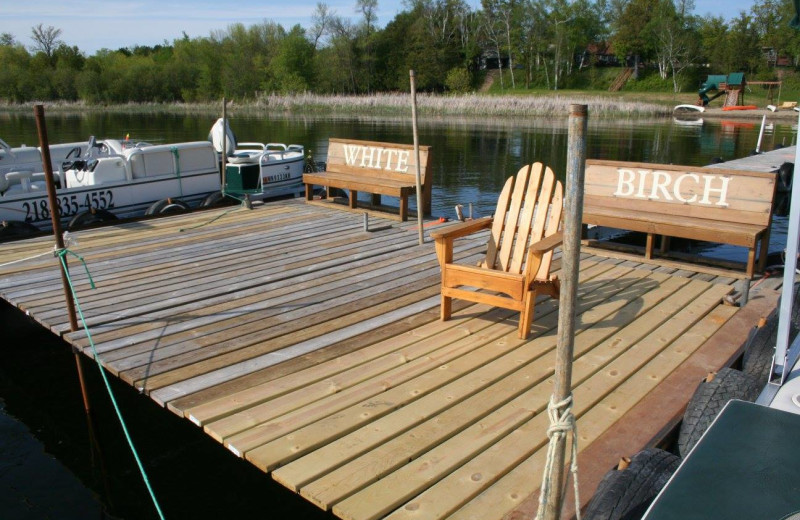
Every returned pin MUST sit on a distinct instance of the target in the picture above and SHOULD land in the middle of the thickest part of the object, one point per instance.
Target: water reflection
(471, 157)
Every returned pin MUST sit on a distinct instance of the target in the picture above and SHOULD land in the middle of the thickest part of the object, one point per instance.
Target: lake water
(43, 429)
(471, 157)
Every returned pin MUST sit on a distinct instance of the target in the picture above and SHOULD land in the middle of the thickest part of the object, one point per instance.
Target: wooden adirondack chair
(525, 230)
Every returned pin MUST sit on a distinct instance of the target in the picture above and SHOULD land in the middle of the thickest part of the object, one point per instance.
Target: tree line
(539, 44)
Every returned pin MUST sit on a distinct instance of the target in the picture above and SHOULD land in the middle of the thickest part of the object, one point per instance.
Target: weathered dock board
(765, 162)
(313, 349)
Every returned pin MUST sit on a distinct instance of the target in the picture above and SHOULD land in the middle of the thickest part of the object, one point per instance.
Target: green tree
(14, 78)
(69, 63)
(633, 36)
(292, 68)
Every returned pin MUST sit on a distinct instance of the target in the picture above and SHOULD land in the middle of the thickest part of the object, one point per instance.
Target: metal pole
(55, 218)
(224, 140)
(780, 365)
(570, 258)
(761, 133)
(416, 155)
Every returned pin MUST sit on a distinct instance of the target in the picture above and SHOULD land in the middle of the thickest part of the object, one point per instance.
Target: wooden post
(576, 168)
(55, 218)
(420, 203)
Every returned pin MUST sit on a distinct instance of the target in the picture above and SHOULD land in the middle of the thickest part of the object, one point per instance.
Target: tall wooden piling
(570, 259)
(420, 204)
(55, 218)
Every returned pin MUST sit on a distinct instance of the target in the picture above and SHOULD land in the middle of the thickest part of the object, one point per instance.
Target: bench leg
(648, 248)
(309, 192)
(762, 257)
(664, 244)
(751, 261)
(353, 199)
(403, 208)
(376, 199)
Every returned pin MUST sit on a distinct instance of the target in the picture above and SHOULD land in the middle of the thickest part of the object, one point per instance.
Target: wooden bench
(376, 168)
(715, 205)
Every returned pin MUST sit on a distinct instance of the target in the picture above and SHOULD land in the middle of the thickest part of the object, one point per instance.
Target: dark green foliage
(649, 81)
(445, 41)
(458, 81)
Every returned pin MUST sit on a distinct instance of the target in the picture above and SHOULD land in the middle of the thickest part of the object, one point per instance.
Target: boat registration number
(277, 178)
(68, 205)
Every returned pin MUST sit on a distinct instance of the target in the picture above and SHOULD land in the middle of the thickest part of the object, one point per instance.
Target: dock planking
(313, 349)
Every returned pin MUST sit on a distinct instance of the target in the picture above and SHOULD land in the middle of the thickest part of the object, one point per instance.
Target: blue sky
(92, 24)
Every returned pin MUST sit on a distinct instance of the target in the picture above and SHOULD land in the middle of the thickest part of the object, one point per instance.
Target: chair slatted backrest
(529, 208)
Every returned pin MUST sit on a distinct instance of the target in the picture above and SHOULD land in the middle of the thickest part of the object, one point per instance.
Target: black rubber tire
(626, 494)
(213, 200)
(314, 166)
(167, 207)
(760, 348)
(13, 229)
(338, 193)
(91, 217)
(709, 399)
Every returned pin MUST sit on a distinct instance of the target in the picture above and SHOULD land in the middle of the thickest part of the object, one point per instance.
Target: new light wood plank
(635, 367)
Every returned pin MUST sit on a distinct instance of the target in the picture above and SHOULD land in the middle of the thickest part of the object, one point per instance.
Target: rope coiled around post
(562, 422)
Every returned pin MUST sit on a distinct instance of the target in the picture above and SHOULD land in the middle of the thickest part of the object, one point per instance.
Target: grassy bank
(650, 88)
(649, 96)
(545, 104)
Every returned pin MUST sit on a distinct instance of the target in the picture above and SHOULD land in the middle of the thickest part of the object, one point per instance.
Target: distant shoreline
(429, 105)
(556, 104)
(718, 113)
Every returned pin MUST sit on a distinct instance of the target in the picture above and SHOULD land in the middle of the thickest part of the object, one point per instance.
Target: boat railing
(278, 151)
(260, 146)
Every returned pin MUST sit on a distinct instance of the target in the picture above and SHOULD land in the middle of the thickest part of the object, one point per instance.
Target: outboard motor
(215, 136)
(785, 175)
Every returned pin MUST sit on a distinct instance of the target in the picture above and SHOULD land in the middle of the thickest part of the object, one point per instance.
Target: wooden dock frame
(313, 350)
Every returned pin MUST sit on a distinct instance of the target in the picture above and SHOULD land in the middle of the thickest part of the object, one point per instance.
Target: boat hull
(124, 200)
(125, 182)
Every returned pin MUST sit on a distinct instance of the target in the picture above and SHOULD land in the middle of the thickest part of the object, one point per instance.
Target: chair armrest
(547, 243)
(462, 229)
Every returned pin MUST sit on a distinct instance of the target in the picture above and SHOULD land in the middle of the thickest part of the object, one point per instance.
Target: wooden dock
(313, 349)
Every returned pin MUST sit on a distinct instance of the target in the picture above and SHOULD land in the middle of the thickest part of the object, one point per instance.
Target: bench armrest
(462, 229)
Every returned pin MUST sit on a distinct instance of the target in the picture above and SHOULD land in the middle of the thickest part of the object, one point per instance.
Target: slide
(712, 83)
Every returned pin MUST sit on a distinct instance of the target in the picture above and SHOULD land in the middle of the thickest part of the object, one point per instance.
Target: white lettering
(642, 181)
(660, 182)
(351, 154)
(676, 190)
(624, 180)
(723, 190)
(402, 161)
(389, 154)
(375, 157)
(368, 154)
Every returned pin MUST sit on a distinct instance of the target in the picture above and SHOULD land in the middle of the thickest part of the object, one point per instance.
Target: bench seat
(745, 235)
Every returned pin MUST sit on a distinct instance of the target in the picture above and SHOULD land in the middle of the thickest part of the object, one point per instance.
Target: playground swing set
(732, 87)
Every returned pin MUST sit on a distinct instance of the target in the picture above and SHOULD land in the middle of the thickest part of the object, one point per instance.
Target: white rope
(562, 422)
(69, 241)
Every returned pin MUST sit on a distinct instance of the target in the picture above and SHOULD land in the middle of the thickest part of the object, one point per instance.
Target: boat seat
(245, 157)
